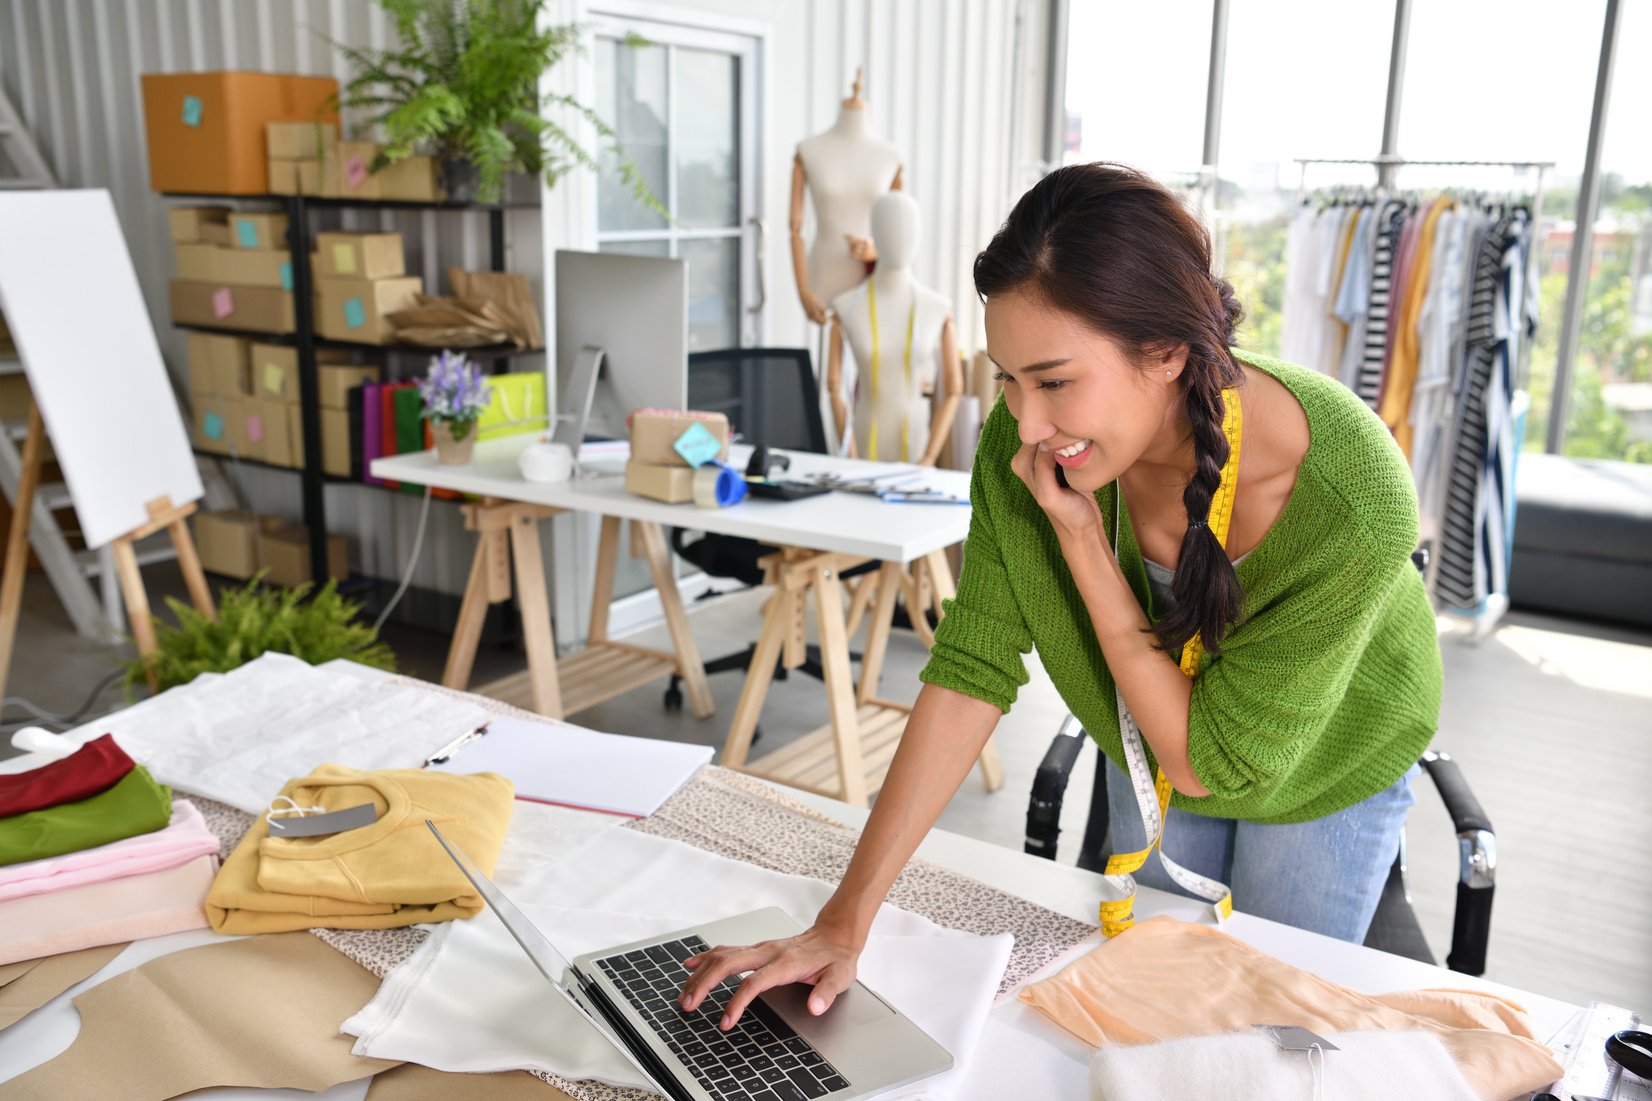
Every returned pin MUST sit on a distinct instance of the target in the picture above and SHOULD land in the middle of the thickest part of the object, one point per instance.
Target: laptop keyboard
(761, 1058)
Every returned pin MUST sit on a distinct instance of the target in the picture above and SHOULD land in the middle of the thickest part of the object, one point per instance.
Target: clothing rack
(1483, 622)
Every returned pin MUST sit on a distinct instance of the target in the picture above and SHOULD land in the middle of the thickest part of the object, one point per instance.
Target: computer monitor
(635, 309)
(768, 394)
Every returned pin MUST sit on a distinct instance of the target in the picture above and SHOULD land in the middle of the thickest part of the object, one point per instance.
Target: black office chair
(771, 399)
(1394, 928)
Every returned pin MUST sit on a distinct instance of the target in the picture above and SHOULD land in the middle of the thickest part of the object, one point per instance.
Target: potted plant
(255, 619)
(465, 82)
(455, 393)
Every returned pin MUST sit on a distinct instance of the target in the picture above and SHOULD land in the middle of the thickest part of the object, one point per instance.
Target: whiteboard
(72, 302)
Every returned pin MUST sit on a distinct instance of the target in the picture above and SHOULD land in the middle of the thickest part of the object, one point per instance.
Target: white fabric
(468, 1001)
(237, 737)
(1370, 1066)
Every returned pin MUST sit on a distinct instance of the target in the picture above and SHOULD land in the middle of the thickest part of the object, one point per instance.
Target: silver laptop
(777, 1052)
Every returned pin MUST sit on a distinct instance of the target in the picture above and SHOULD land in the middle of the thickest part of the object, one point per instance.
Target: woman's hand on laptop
(822, 956)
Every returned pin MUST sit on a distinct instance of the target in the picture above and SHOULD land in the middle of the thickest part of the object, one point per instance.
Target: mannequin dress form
(843, 170)
(902, 336)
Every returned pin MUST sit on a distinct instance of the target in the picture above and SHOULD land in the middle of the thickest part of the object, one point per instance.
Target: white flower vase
(451, 451)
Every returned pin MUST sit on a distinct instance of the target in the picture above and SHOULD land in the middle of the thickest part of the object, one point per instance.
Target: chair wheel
(673, 698)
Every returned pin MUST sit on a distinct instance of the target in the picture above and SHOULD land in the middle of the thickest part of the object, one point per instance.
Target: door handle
(762, 275)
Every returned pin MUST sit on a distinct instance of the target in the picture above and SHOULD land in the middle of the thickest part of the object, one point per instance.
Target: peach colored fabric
(130, 908)
(1167, 979)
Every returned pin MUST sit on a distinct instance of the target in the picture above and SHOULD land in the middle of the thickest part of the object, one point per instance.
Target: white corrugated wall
(956, 84)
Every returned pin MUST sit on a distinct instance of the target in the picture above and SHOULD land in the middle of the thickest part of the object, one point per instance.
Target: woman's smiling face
(1075, 393)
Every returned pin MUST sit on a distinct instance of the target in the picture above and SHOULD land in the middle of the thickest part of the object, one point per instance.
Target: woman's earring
(1169, 374)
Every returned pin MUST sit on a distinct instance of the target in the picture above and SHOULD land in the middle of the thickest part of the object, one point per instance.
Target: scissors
(1630, 1049)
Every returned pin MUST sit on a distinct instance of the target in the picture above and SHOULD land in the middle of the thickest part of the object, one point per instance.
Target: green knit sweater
(1327, 689)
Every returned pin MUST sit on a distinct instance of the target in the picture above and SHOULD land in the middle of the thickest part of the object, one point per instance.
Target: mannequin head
(895, 228)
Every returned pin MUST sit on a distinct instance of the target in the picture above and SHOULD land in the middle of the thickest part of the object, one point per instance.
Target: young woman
(1312, 680)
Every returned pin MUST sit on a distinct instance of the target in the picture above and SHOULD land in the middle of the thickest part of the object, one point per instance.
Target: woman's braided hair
(1122, 254)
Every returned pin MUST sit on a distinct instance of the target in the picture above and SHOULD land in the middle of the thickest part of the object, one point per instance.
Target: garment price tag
(1295, 1038)
(697, 445)
(323, 825)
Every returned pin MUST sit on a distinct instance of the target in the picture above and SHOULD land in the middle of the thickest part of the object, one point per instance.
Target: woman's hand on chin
(1073, 514)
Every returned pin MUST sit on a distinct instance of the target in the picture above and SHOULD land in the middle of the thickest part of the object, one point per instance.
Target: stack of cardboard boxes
(659, 467)
(360, 278)
(234, 269)
(239, 544)
(309, 159)
(334, 383)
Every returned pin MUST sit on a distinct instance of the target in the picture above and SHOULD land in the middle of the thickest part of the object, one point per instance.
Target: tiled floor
(1552, 721)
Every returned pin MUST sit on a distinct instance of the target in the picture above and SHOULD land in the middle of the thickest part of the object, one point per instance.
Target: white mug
(546, 462)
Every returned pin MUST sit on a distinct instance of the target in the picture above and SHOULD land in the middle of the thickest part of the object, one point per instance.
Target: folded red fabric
(93, 768)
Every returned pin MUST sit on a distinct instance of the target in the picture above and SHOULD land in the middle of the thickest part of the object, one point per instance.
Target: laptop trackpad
(853, 1008)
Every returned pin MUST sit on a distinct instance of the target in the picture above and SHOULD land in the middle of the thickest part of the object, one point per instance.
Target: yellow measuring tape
(906, 419)
(1118, 915)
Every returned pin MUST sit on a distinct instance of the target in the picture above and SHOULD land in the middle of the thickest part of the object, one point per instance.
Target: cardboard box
(220, 306)
(205, 131)
(284, 177)
(213, 425)
(671, 484)
(256, 268)
(336, 380)
(227, 542)
(353, 171)
(654, 432)
(199, 223)
(284, 553)
(197, 262)
(335, 442)
(274, 372)
(259, 231)
(416, 179)
(355, 309)
(268, 430)
(218, 365)
(299, 141)
(359, 255)
(318, 177)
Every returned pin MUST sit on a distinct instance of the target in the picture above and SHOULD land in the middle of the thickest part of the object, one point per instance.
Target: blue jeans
(1324, 875)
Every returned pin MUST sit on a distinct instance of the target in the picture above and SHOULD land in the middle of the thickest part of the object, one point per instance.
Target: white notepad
(574, 767)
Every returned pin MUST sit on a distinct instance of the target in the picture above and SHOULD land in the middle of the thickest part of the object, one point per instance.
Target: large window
(682, 107)
(1610, 415)
(1304, 79)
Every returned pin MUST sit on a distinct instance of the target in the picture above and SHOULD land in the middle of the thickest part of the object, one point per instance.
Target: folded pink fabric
(129, 908)
(184, 839)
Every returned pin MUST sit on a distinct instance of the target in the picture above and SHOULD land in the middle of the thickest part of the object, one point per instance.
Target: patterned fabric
(1368, 385)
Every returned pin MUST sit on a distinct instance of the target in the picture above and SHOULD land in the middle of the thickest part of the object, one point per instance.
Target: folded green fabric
(136, 804)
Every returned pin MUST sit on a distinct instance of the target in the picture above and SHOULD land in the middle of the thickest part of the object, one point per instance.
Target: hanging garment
(1167, 979)
(134, 804)
(1400, 380)
(1354, 296)
(1390, 220)
(1463, 579)
(94, 767)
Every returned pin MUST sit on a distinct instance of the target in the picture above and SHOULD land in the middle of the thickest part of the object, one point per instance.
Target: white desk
(1022, 1053)
(816, 539)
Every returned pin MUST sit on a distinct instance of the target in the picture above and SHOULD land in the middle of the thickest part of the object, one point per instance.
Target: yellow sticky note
(344, 259)
(274, 377)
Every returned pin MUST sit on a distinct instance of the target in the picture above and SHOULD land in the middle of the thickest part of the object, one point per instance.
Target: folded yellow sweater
(389, 874)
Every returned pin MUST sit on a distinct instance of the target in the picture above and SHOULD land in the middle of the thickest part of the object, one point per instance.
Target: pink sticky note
(223, 303)
(355, 171)
(255, 428)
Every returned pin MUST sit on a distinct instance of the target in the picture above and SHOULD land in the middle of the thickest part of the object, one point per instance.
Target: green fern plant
(465, 81)
(251, 621)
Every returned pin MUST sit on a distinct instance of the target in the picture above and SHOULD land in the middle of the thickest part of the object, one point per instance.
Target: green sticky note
(344, 259)
(697, 445)
(192, 110)
(246, 231)
(354, 315)
(274, 377)
(213, 425)
(286, 275)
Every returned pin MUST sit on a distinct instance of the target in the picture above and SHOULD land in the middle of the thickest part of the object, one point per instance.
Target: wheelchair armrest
(1477, 865)
(1049, 787)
